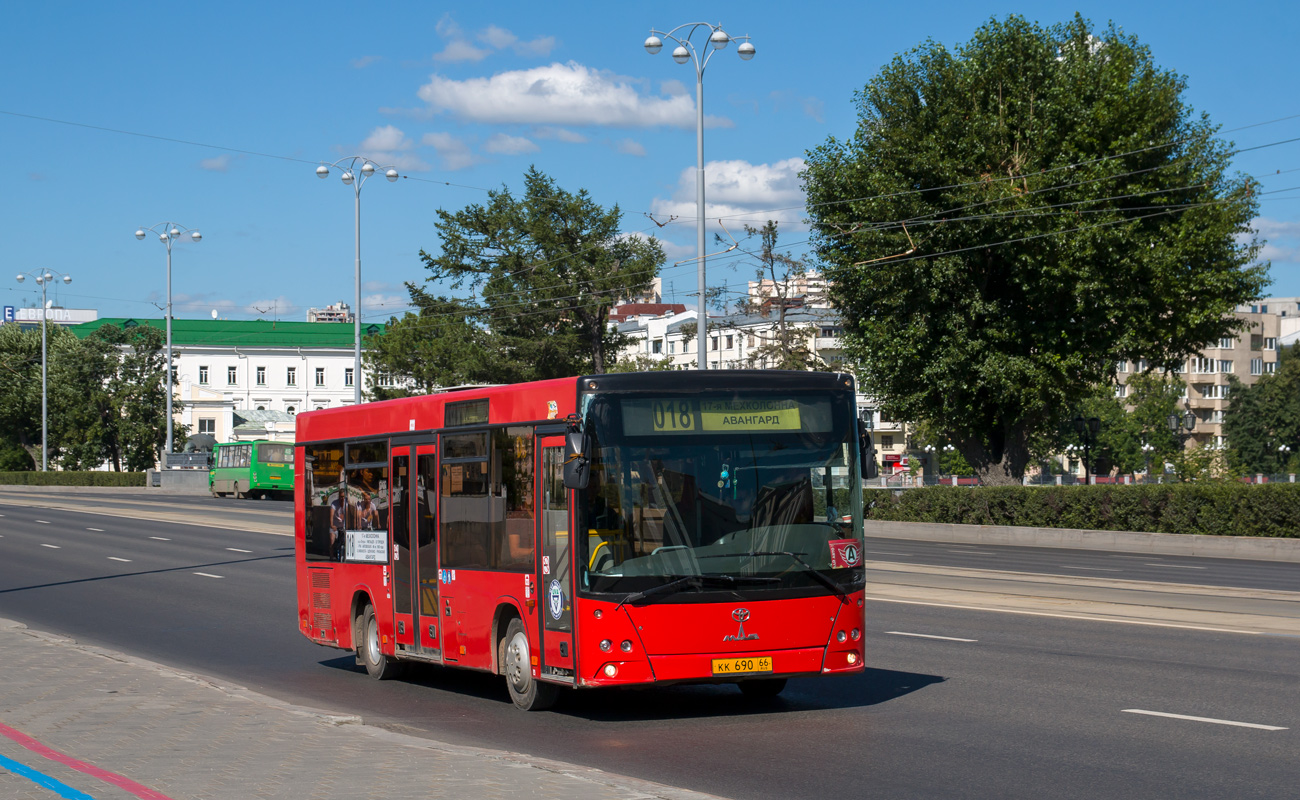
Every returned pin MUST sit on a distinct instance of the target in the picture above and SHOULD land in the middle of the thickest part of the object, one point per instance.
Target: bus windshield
(756, 490)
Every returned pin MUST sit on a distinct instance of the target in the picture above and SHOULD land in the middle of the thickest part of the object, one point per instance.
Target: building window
(1225, 366)
(1142, 365)
(672, 347)
(348, 379)
(715, 343)
(261, 376)
(731, 342)
(1270, 367)
(1225, 343)
(290, 410)
(657, 346)
(232, 375)
(291, 376)
(887, 441)
(261, 408)
(1203, 366)
(203, 376)
(1270, 343)
(751, 340)
(1121, 390)
(208, 425)
(320, 376)
(1257, 366)
(1121, 366)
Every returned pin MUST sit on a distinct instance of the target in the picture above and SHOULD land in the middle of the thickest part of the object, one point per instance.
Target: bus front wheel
(526, 692)
(379, 666)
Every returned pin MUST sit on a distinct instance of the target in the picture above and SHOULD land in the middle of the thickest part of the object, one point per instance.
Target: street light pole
(43, 278)
(350, 178)
(686, 51)
(1088, 429)
(170, 234)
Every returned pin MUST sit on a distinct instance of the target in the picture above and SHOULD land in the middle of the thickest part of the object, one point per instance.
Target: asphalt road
(955, 704)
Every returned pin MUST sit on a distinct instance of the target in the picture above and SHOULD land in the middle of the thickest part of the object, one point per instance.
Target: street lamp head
(719, 39)
(681, 55)
(48, 277)
(347, 178)
(196, 236)
(1094, 425)
(322, 171)
(162, 237)
(746, 51)
(1189, 421)
(67, 279)
(175, 232)
(22, 278)
(1079, 423)
(367, 169)
(139, 233)
(653, 45)
(391, 175)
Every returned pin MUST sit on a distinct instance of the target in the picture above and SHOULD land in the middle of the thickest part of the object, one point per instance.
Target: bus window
(488, 514)
(274, 453)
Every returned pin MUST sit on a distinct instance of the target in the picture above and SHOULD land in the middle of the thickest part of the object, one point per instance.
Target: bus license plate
(742, 666)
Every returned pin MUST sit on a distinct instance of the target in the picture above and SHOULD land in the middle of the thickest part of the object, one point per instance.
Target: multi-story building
(229, 369)
(338, 312)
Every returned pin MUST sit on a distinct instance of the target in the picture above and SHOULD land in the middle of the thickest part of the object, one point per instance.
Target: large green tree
(1264, 417)
(1012, 217)
(545, 269)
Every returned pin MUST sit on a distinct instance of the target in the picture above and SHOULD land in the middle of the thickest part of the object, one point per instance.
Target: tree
(546, 268)
(1266, 416)
(441, 345)
(783, 345)
(1013, 217)
(20, 393)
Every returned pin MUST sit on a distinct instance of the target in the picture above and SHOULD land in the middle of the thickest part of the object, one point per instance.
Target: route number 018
(673, 415)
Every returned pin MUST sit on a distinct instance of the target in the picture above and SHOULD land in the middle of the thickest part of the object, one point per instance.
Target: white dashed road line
(1174, 566)
(1092, 569)
(237, 550)
(96, 530)
(52, 546)
(115, 558)
(1204, 719)
(931, 636)
(207, 575)
(973, 552)
(43, 522)
(159, 538)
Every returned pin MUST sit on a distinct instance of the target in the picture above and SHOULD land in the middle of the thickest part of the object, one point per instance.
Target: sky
(119, 116)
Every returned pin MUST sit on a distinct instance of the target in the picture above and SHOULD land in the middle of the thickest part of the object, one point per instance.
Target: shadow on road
(872, 687)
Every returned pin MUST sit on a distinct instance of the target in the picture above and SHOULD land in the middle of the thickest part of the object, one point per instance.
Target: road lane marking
(97, 530)
(1174, 566)
(237, 550)
(115, 558)
(931, 636)
(120, 781)
(52, 546)
(207, 575)
(43, 522)
(973, 552)
(1064, 616)
(1139, 558)
(159, 538)
(1204, 719)
(1094, 569)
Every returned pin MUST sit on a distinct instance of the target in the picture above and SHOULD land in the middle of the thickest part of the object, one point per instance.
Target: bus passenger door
(554, 564)
(424, 509)
(401, 558)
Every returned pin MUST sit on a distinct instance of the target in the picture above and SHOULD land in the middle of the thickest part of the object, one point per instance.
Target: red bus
(607, 530)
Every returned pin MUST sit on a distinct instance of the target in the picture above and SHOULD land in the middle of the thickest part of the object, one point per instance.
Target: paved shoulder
(110, 725)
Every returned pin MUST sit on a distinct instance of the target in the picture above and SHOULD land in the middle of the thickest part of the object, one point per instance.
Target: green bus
(259, 468)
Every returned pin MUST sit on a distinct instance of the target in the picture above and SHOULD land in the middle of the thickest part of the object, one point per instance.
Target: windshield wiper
(818, 575)
(692, 582)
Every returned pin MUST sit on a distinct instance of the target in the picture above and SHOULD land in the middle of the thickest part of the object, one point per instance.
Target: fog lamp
(852, 658)
(610, 670)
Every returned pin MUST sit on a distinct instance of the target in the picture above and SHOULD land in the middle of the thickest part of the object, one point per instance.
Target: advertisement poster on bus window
(367, 546)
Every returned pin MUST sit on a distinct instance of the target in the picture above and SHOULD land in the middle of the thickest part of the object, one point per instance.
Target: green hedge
(72, 478)
(1216, 509)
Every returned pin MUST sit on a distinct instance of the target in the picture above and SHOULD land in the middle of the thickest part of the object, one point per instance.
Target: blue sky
(440, 91)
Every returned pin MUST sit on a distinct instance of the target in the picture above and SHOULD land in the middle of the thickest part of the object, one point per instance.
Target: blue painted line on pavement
(58, 787)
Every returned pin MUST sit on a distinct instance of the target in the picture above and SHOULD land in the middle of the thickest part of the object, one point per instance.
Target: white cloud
(388, 145)
(630, 147)
(1277, 228)
(447, 27)
(499, 38)
(1283, 239)
(365, 61)
(741, 192)
(541, 46)
(455, 154)
(461, 50)
(1271, 252)
(564, 94)
(219, 163)
(559, 134)
(373, 305)
(503, 144)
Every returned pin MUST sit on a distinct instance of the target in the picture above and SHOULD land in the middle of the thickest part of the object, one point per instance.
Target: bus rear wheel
(526, 692)
(763, 688)
(238, 494)
(379, 666)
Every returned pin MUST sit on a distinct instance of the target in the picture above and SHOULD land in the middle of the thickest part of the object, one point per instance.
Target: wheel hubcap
(517, 662)
(372, 644)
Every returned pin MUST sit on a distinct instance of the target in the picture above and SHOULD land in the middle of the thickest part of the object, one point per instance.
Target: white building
(229, 370)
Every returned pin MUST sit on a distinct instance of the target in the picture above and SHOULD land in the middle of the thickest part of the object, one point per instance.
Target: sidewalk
(112, 727)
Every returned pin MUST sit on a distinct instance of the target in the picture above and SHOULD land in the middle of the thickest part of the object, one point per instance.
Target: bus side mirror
(209, 461)
(867, 452)
(577, 466)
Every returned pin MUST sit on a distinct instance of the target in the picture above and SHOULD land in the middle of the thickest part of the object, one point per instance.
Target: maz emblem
(740, 615)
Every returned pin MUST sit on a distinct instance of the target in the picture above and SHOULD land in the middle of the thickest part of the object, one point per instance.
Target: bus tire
(379, 666)
(235, 490)
(527, 693)
(762, 688)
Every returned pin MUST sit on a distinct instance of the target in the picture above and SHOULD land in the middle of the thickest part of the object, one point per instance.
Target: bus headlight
(606, 645)
(841, 636)
(626, 646)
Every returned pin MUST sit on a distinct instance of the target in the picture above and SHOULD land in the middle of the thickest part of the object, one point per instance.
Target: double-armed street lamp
(1146, 452)
(350, 178)
(1178, 423)
(1088, 429)
(1282, 451)
(684, 52)
(169, 233)
(43, 278)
